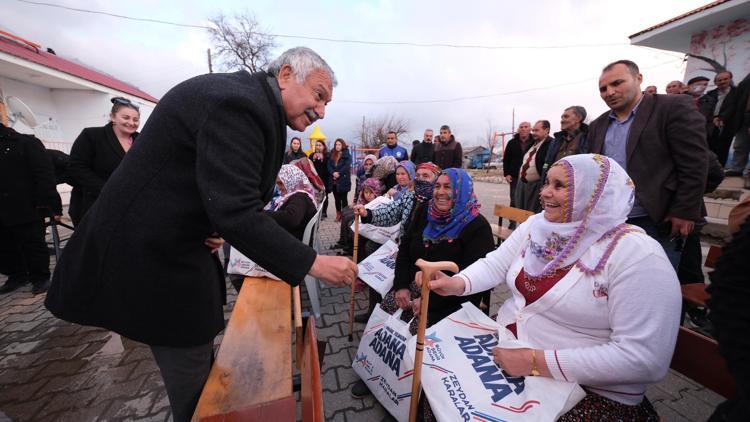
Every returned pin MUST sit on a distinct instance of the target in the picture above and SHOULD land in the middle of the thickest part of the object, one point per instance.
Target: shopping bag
(462, 382)
(242, 265)
(376, 233)
(382, 363)
(378, 269)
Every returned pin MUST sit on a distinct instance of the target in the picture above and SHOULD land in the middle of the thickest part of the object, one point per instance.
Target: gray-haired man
(205, 165)
(571, 139)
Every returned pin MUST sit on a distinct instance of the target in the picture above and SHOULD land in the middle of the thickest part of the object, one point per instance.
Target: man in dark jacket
(205, 165)
(513, 156)
(423, 151)
(660, 140)
(532, 166)
(570, 140)
(733, 121)
(27, 196)
(710, 106)
(448, 152)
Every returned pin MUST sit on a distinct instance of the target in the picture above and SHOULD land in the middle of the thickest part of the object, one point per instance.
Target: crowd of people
(594, 275)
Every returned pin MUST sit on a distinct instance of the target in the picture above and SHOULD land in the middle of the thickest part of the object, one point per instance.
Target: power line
(498, 94)
(338, 40)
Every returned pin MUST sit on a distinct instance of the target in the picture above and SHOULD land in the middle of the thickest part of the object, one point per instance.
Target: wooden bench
(251, 378)
(694, 294)
(697, 357)
(512, 214)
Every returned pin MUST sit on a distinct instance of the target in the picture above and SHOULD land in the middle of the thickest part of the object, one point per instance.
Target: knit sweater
(613, 332)
(392, 213)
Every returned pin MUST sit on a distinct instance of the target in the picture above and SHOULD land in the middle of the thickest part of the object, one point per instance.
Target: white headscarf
(600, 196)
(294, 181)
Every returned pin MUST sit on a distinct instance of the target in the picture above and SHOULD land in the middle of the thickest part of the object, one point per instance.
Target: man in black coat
(27, 196)
(423, 151)
(205, 165)
(513, 157)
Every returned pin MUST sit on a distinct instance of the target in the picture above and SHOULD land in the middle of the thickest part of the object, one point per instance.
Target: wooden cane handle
(428, 268)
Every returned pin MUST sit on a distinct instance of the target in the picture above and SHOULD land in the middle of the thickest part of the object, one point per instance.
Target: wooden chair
(697, 357)
(512, 214)
(312, 389)
(251, 378)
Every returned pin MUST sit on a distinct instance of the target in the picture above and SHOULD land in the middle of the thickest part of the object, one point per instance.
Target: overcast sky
(154, 57)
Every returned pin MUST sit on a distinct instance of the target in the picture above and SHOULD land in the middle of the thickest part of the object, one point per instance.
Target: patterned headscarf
(600, 196)
(384, 166)
(294, 181)
(429, 166)
(373, 184)
(447, 225)
(306, 166)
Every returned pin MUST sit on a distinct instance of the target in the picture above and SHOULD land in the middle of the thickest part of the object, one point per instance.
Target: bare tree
(489, 138)
(372, 133)
(240, 42)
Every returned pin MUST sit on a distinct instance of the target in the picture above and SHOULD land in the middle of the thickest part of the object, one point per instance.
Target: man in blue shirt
(392, 148)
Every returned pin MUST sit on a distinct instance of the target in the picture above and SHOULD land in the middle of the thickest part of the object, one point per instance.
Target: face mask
(423, 189)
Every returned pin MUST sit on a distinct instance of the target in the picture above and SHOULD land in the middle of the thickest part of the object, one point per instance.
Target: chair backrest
(513, 214)
(697, 356)
(311, 227)
(714, 252)
(312, 389)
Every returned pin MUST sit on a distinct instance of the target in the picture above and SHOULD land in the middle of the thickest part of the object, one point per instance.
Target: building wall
(727, 44)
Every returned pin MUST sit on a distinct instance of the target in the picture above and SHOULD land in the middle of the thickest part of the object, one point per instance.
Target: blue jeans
(661, 233)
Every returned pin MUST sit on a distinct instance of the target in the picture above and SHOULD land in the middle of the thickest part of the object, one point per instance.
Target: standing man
(710, 106)
(675, 87)
(651, 89)
(660, 141)
(733, 121)
(571, 139)
(392, 148)
(532, 167)
(27, 196)
(513, 157)
(142, 262)
(423, 151)
(448, 152)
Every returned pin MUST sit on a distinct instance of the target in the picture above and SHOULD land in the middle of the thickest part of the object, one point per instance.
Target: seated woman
(311, 173)
(405, 173)
(296, 205)
(595, 299)
(371, 189)
(449, 229)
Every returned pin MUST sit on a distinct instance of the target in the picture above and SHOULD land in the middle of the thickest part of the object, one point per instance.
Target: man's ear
(285, 77)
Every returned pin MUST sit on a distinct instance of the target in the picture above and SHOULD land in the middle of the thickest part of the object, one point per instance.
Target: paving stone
(337, 401)
(675, 382)
(375, 413)
(328, 380)
(331, 319)
(342, 358)
(346, 377)
(691, 406)
(335, 344)
(667, 414)
(138, 407)
(328, 332)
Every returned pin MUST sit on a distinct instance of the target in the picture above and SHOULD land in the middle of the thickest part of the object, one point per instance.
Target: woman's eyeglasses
(124, 101)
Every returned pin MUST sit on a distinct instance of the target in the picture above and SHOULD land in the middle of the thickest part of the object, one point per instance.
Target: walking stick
(298, 326)
(428, 268)
(354, 284)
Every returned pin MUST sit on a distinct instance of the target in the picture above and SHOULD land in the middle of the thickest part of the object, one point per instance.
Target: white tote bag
(376, 233)
(242, 265)
(378, 269)
(462, 382)
(383, 364)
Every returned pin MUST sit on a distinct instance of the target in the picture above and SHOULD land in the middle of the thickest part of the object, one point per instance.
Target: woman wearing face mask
(404, 179)
(595, 299)
(295, 151)
(339, 167)
(97, 152)
(449, 228)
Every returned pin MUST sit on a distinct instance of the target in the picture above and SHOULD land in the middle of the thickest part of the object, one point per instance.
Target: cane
(354, 284)
(298, 325)
(428, 268)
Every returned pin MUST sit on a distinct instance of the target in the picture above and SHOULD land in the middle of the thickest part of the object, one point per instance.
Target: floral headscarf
(448, 225)
(600, 196)
(294, 181)
(373, 184)
(306, 166)
(384, 166)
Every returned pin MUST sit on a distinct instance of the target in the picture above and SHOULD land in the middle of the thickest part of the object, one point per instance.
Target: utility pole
(513, 122)
(210, 67)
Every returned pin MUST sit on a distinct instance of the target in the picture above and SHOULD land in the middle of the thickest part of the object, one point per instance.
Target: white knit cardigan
(613, 332)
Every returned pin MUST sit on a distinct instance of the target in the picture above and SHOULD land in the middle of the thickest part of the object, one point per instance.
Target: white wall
(727, 44)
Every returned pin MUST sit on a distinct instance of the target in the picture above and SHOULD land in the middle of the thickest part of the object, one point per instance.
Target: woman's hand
(360, 209)
(518, 362)
(403, 298)
(416, 305)
(443, 285)
(391, 192)
(336, 175)
(214, 242)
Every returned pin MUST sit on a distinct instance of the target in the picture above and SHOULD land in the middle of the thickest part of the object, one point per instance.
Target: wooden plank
(514, 214)
(695, 293)
(697, 356)
(312, 390)
(254, 363)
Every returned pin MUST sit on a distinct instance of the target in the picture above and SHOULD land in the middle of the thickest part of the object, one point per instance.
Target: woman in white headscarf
(296, 205)
(596, 300)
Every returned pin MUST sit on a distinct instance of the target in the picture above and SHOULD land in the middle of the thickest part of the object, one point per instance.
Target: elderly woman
(450, 228)
(97, 152)
(297, 204)
(405, 173)
(371, 189)
(595, 299)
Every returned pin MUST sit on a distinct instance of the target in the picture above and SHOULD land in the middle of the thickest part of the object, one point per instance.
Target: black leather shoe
(11, 285)
(360, 390)
(40, 287)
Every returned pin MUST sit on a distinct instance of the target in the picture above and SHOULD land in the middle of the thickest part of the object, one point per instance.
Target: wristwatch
(534, 369)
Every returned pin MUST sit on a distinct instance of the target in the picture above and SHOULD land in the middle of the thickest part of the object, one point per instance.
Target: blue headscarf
(448, 225)
(408, 166)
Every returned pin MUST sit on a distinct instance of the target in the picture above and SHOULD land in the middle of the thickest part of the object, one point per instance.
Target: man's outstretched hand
(334, 270)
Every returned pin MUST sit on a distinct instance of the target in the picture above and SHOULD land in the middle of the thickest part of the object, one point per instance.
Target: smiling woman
(97, 152)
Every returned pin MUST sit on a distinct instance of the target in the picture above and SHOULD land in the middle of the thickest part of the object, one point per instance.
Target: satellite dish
(19, 111)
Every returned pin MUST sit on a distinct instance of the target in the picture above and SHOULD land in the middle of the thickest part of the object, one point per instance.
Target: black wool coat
(27, 179)
(206, 161)
(94, 156)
